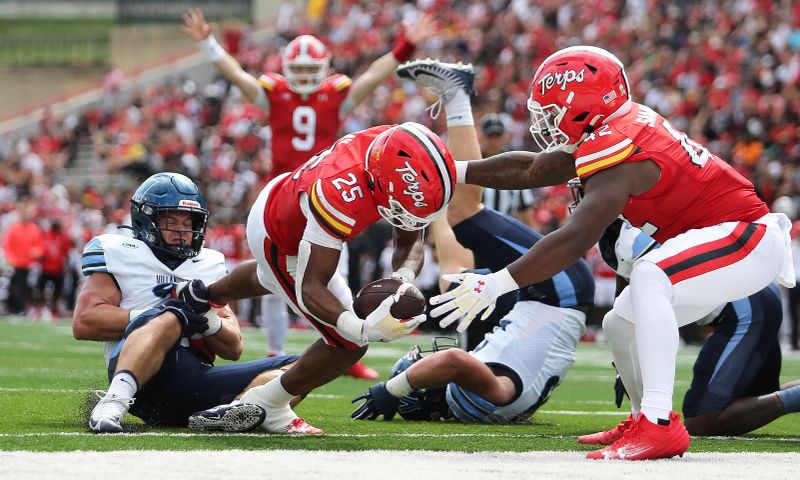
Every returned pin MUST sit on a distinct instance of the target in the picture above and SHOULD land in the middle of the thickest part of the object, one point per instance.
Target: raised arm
(412, 35)
(517, 170)
(196, 27)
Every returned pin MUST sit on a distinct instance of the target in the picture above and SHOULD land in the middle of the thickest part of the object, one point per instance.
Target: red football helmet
(573, 91)
(413, 175)
(305, 64)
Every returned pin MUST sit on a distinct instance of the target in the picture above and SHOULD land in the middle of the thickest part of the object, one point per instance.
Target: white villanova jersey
(136, 270)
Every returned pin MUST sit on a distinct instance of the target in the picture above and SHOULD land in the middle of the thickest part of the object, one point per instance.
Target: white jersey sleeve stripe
(329, 208)
(603, 153)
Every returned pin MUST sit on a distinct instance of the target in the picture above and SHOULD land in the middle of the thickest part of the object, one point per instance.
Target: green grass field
(46, 376)
(50, 42)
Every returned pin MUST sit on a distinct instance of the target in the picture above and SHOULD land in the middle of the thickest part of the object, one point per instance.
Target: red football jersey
(302, 125)
(696, 188)
(338, 192)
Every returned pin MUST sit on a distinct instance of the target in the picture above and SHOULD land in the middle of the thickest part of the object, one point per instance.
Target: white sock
(123, 384)
(398, 386)
(274, 322)
(459, 110)
(270, 395)
(656, 331)
(275, 399)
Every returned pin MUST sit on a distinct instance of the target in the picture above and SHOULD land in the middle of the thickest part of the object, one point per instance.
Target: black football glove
(193, 323)
(193, 292)
(377, 401)
(619, 389)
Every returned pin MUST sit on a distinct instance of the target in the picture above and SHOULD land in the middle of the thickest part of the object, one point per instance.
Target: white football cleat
(107, 414)
(232, 417)
(442, 79)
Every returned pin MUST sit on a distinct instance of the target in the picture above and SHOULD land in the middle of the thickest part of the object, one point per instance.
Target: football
(411, 301)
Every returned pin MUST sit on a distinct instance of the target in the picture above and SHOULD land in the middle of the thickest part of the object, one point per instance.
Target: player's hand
(195, 25)
(195, 293)
(381, 326)
(424, 28)
(474, 294)
(377, 401)
(193, 323)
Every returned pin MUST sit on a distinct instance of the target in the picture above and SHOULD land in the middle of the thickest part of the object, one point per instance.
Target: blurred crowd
(726, 72)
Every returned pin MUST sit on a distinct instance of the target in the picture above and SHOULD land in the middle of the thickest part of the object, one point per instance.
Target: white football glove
(381, 326)
(476, 293)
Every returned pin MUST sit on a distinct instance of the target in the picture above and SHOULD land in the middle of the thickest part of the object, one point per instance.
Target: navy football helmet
(158, 194)
(428, 403)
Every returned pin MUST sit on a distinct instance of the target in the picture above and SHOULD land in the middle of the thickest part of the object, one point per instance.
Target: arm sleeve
(314, 233)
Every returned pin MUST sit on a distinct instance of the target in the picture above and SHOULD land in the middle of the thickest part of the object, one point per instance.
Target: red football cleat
(646, 441)
(609, 436)
(298, 426)
(359, 370)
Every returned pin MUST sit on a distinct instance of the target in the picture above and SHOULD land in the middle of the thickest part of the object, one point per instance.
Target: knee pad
(467, 406)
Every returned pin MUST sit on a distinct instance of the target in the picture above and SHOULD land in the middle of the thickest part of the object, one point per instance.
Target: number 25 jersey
(336, 187)
(695, 189)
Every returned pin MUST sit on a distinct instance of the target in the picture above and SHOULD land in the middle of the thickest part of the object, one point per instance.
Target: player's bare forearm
(228, 342)
(99, 322)
(241, 282)
(367, 82)
(456, 365)
(229, 68)
(409, 250)
(517, 170)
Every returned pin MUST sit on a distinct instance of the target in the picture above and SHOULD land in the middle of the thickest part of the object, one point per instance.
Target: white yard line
(190, 434)
(386, 465)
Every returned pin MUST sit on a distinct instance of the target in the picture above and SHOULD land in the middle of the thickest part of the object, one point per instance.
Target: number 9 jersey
(333, 186)
(302, 124)
(696, 188)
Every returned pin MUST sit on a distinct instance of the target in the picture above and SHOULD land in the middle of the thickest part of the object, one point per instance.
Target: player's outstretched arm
(98, 315)
(412, 36)
(196, 27)
(517, 170)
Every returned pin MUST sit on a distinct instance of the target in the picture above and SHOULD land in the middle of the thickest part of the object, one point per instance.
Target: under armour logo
(481, 283)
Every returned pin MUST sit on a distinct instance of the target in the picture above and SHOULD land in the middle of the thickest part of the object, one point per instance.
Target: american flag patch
(610, 96)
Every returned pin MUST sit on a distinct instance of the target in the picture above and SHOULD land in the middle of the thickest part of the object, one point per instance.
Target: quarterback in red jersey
(720, 243)
(306, 105)
(404, 174)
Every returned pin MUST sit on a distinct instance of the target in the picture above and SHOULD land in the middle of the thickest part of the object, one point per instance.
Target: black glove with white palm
(377, 401)
(192, 323)
(475, 293)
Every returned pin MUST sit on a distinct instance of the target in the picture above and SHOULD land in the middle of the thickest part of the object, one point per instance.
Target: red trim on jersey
(277, 263)
(713, 255)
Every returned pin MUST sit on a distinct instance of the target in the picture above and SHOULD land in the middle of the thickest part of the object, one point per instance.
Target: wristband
(212, 49)
(352, 326)
(506, 281)
(402, 49)
(214, 323)
(405, 274)
(461, 172)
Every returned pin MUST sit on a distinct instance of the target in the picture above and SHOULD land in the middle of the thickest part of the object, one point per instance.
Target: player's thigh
(711, 266)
